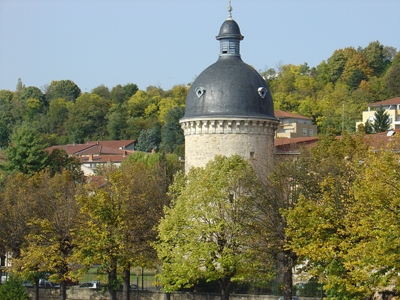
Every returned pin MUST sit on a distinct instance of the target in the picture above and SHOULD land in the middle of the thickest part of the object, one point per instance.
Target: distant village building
(229, 108)
(294, 125)
(99, 153)
(392, 108)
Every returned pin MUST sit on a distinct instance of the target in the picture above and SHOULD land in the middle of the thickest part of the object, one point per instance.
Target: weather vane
(230, 10)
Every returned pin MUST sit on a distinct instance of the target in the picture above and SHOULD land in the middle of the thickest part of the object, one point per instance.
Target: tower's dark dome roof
(229, 87)
(229, 29)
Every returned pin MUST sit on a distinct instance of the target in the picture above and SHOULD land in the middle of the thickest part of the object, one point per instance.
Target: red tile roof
(280, 114)
(385, 102)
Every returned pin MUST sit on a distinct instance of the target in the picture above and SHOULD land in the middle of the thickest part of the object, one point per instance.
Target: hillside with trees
(333, 94)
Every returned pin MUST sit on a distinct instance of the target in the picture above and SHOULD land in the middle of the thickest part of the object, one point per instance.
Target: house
(294, 125)
(392, 108)
(94, 154)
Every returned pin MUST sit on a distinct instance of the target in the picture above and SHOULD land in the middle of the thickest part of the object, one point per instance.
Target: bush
(13, 289)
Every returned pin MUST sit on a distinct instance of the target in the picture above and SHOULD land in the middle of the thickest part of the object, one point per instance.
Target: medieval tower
(229, 108)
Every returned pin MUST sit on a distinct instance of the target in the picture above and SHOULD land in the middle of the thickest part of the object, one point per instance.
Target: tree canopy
(205, 233)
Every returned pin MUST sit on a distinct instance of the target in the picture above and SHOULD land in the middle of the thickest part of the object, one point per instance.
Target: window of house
(304, 131)
(311, 132)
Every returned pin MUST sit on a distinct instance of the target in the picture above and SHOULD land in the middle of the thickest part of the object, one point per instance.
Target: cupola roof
(229, 87)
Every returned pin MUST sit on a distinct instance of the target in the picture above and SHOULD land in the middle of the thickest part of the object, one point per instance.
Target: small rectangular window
(252, 154)
(304, 131)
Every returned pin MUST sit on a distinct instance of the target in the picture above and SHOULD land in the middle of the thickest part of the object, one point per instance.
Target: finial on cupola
(230, 10)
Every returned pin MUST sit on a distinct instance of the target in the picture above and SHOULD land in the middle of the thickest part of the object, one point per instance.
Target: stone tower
(229, 108)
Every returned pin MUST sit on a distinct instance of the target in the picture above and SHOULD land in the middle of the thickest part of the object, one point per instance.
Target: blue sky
(169, 42)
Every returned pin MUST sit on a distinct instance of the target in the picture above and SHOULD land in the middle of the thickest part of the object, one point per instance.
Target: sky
(170, 42)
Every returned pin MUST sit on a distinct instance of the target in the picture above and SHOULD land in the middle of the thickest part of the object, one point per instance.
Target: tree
(316, 228)
(280, 192)
(120, 94)
(393, 80)
(374, 222)
(17, 208)
(26, 152)
(51, 241)
(172, 133)
(65, 89)
(118, 219)
(87, 118)
(149, 139)
(375, 55)
(206, 232)
(381, 120)
(59, 161)
(6, 118)
(13, 290)
(102, 91)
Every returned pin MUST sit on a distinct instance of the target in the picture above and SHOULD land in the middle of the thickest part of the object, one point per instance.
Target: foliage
(117, 220)
(65, 89)
(381, 120)
(171, 132)
(26, 151)
(13, 290)
(206, 232)
(149, 139)
(60, 161)
(51, 241)
(393, 81)
(318, 225)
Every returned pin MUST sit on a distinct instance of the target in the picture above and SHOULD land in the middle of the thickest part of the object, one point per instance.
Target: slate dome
(229, 87)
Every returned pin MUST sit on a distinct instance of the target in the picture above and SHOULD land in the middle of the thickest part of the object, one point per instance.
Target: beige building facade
(294, 125)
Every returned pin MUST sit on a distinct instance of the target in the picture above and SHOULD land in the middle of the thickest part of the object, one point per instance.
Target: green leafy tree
(13, 290)
(381, 120)
(59, 161)
(172, 133)
(393, 81)
(102, 91)
(376, 56)
(149, 139)
(56, 117)
(7, 120)
(121, 93)
(26, 152)
(116, 125)
(87, 118)
(205, 234)
(65, 89)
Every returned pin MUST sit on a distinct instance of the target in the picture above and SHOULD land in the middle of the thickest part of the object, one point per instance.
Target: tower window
(199, 91)
(251, 154)
(262, 91)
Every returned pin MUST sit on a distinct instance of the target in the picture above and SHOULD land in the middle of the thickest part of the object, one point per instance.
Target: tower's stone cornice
(228, 125)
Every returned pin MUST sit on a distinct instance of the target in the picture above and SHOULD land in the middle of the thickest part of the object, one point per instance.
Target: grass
(147, 277)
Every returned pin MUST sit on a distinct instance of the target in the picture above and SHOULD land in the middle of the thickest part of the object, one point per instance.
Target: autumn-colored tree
(373, 222)
(316, 231)
(51, 239)
(117, 221)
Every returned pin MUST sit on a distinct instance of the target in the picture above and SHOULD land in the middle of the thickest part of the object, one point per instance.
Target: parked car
(46, 283)
(90, 285)
(27, 283)
(133, 287)
(293, 298)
